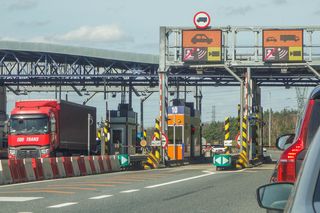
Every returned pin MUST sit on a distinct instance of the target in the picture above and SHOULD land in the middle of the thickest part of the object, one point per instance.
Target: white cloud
(83, 36)
(23, 4)
(239, 10)
(103, 33)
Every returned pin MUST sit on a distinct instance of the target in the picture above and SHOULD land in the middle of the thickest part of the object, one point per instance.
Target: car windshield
(28, 125)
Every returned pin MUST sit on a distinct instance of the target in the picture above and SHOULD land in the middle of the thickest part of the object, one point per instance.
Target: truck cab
(31, 132)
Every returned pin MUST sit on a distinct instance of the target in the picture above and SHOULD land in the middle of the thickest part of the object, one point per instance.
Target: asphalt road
(193, 188)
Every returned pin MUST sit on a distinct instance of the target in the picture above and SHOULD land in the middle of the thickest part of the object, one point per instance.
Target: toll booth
(183, 131)
(123, 129)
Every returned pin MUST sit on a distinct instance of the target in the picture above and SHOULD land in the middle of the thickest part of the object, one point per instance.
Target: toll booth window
(175, 134)
(116, 136)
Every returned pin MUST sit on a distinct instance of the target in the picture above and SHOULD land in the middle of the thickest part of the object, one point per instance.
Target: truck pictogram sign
(283, 45)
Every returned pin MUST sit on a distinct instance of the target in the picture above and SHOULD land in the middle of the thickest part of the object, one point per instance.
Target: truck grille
(28, 154)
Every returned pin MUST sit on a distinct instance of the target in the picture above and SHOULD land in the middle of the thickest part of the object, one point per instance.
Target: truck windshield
(29, 125)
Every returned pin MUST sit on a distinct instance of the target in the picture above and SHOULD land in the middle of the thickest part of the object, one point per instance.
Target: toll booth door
(117, 140)
(176, 142)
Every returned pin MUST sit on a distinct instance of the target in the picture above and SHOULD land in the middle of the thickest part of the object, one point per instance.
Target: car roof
(315, 94)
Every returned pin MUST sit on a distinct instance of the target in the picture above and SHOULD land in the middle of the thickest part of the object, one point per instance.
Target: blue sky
(133, 26)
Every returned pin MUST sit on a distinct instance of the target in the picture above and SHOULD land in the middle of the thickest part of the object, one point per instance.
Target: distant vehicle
(302, 196)
(271, 39)
(289, 38)
(202, 19)
(218, 149)
(48, 128)
(296, 145)
(201, 38)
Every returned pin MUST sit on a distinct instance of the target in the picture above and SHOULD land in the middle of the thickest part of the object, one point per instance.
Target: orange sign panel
(176, 119)
(282, 45)
(202, 45)
(201, 38)
(282, 38)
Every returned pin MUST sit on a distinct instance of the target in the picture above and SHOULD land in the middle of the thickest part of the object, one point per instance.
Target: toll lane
(194, 188)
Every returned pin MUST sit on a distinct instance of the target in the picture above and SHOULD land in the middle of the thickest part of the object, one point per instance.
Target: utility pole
(301, 93)
(270, 111)
(213, 113)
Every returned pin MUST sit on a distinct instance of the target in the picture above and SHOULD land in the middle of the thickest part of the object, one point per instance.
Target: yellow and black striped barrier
(154, 157)
(106, 131)
(157, 130)
(227, 133)
(144, 134)
(242, 161)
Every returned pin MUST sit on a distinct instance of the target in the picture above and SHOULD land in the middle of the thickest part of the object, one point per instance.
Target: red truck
(48, 128)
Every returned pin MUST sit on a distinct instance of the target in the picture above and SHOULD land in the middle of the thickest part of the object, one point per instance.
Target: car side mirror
(284, 141)
(274, 196)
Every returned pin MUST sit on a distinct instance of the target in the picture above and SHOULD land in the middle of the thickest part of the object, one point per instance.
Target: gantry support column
(252, 112)
(163, 85)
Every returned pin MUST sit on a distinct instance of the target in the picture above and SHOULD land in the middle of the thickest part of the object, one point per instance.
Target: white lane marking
(62, 205)
(178, 181)
(18, 199)
(100, 197)
(129, 191)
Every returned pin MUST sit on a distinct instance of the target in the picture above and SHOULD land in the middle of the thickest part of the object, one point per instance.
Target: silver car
(304, 195)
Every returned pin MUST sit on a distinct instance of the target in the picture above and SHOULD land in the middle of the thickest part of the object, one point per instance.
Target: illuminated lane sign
(282, 45)
(202, 45)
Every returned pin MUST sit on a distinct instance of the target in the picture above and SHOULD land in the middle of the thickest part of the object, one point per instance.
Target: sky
(133, 26)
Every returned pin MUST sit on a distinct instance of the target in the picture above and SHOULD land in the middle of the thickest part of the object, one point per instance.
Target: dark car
(201, 38)
(296, 145)
(304, 194)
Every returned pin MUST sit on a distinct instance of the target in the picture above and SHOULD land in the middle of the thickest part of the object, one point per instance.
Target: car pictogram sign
(202, 45)
(201, 20)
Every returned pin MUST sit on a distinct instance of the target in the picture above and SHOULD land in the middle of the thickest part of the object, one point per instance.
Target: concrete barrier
(87, 165)
(5, 173)
(47, 169)
(115, 164)
(54, 166)
(29, 170)
(62, 171)
(108, 160)
(68, 166)
(37, 168)
(82, 166)
(75, 166)
(106, 164)
(101, 166)
(95, 160)
(93, 168)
